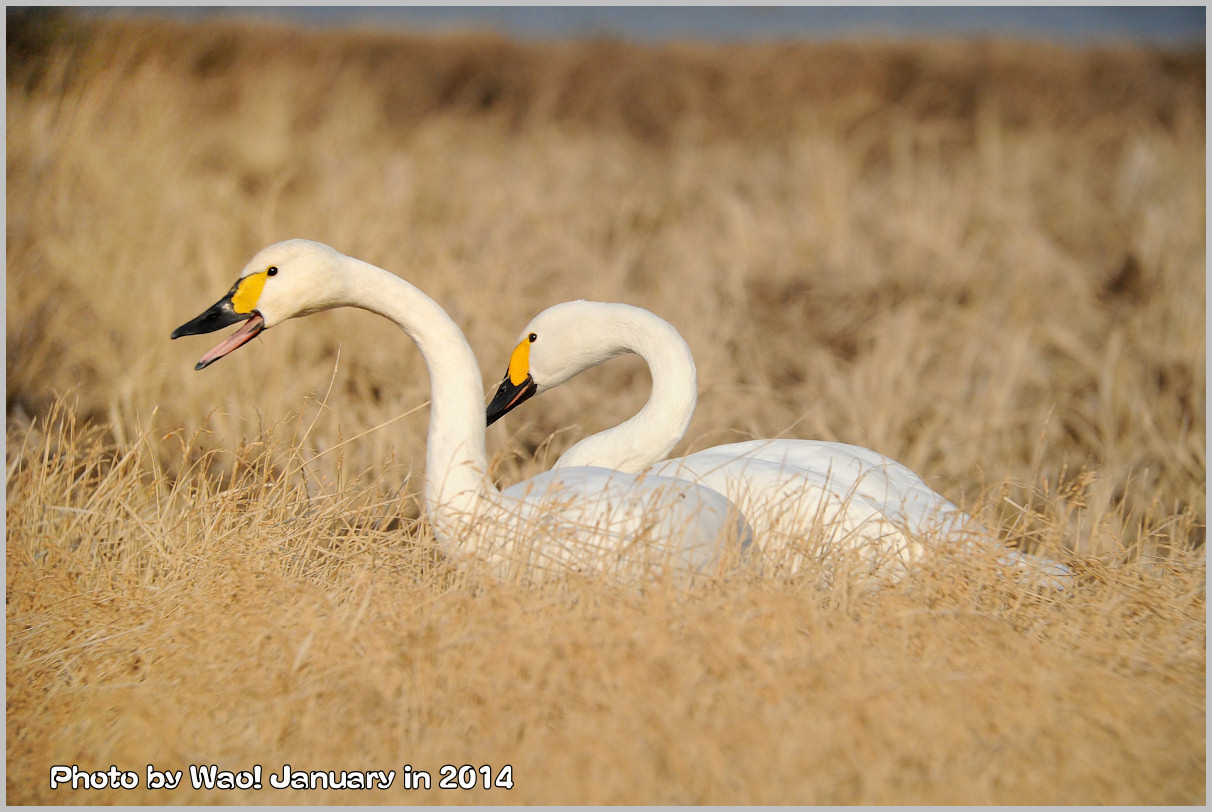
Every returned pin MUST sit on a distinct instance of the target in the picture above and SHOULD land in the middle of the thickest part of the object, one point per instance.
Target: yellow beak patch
(519, 363)
(248, 291)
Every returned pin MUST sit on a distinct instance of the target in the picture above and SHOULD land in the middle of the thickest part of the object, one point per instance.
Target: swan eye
(532, 337)
(272, 270)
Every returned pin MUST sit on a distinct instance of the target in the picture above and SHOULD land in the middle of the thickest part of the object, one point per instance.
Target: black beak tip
(508, 397)
(215, 317)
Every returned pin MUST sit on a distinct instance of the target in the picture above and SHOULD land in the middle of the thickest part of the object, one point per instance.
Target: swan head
(284, 280)
(559, 343)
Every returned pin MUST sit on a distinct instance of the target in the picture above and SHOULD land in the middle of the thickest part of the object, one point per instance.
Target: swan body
(581, 519)
(806, 500)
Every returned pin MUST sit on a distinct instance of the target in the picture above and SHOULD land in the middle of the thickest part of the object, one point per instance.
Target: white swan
(578, 519)
(805, 499)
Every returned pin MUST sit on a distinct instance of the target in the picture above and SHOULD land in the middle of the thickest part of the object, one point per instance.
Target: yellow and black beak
(235, 307)
(517, 386)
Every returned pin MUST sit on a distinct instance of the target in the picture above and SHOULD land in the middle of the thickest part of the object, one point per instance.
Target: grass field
(983, 259)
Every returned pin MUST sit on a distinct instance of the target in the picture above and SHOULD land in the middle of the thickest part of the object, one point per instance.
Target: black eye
(532, 337)
(272, 270)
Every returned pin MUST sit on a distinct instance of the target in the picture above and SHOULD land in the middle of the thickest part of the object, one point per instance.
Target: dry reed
(983, 259)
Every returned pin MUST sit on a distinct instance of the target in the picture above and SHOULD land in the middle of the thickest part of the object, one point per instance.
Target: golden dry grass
(983, 259)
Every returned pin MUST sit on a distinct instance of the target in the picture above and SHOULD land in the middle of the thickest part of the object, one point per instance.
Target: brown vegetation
(984, 259)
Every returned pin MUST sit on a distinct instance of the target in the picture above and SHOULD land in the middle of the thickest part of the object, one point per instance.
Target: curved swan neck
(652, 433)
(456, 461)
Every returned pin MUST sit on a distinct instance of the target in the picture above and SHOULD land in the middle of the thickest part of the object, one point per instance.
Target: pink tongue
(248, 330)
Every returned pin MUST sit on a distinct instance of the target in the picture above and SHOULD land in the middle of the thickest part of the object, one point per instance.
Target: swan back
(808, 501)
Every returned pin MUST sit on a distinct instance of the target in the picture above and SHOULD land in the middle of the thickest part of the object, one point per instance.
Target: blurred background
(973, 240)
(1168, 25)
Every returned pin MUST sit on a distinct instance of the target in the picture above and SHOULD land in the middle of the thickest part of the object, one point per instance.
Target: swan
(574, 519)
(804, 499)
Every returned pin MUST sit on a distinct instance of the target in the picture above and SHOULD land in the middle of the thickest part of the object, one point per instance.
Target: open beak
(509, 396)
(219, 315)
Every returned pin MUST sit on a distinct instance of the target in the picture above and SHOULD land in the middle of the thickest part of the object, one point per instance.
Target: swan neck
(456, 463)
(651, 434)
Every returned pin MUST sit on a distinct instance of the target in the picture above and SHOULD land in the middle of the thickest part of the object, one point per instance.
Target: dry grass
(983, 259)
